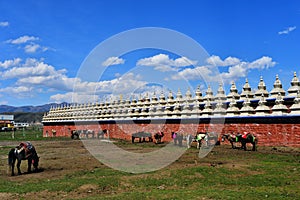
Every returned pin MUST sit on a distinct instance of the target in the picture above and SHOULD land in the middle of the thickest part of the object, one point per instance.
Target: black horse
(233, 139)
(141, 136)
(158, 136)
(250, 138)
(25, 151)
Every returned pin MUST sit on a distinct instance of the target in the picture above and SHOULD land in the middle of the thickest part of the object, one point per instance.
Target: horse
(233, 139)
(75, 134)
(247, 138)
(101, 133)
(158, 136)
(142, 136)
(250, 138)
(25, 151)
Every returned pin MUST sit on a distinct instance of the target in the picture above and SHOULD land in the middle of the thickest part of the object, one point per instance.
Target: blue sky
(43, 46)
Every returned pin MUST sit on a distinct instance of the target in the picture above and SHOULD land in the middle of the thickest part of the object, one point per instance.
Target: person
(199, 138)
(189, 140)
(174, 137)
(180, 138)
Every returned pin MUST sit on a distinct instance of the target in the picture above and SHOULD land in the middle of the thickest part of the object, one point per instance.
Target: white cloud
(10, 63)
(197, 73)
(91, 91)
(264, 62)
(22, 39)
(217, 61)
(18, 91)
(287, 30)
(27, 42)
(4, 24)
(32, 48)
(113, 61)
(236, 69)
(163, 63)
(31, 67)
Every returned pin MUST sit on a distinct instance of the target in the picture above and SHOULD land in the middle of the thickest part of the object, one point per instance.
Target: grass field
(70, 172)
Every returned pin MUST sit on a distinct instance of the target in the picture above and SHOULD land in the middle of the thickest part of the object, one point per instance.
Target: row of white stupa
(188, 106)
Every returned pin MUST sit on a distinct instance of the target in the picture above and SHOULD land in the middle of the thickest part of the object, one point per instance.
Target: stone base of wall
(270, 131)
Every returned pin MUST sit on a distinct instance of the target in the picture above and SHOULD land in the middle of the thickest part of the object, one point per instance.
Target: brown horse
(158, 136)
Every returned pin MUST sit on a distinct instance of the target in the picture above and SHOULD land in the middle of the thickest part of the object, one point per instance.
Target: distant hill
(31, 109)
(29, 114)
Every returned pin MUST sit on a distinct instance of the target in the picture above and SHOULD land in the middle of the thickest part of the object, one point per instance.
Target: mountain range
(30, 109)
(29, 114)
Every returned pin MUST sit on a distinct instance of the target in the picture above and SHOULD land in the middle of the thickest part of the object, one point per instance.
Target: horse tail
(11, 156)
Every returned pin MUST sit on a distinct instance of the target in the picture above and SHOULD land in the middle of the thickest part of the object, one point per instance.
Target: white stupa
(279, 108)
(247, 91)
(277, 88)
(233, 92)
(262, 109)
(262, 89)
(246, 110)
(209, 95)
(232, 110)
(295, 108)
(295, 86)
(220, 93)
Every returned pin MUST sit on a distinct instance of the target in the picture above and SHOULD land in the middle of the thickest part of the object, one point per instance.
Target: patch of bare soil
(58, 158)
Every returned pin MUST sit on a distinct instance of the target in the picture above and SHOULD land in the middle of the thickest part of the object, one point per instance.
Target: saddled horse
(142, 136)
(211, 139)
(250, 138)
(233, 139)
(25, 151)
(158, 136)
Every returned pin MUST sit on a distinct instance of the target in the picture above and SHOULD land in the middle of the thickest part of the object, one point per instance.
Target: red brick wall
(268, 134)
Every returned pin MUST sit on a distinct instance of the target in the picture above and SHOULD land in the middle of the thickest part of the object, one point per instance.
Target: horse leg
(232, 145)
(253, 146)
(29, 165)
(13, 167)
(245, 146)
(18, 167)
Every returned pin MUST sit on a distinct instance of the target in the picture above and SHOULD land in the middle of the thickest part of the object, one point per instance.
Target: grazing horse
(233, 139)
(158, 136)
(243, 139)
(142, 136)
(25, 151)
